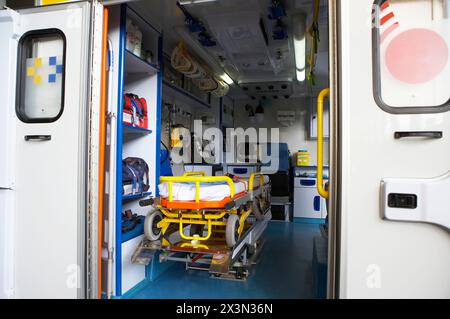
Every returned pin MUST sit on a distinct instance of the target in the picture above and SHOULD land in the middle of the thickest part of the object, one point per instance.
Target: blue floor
(284, 271)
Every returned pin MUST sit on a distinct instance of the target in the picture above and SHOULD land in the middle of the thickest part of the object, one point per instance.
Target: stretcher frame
(237, 262)
(202, 252)
(207, 213)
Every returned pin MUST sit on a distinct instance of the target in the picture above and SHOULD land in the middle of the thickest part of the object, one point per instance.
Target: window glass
(411, 55)
(41, 75)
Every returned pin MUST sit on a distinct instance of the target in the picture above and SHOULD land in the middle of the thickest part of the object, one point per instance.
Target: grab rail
(323, 192)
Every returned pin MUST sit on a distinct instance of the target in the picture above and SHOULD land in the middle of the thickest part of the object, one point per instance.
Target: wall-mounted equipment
(183, 62)
(251, 113)
(259, 113)
(276, 10)
(269, 90)
(286, 118)
(279, 31)
(196, 26)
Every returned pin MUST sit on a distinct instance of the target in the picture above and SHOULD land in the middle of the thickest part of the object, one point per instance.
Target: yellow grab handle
(322, 192)
(185, 237)
(194, 174)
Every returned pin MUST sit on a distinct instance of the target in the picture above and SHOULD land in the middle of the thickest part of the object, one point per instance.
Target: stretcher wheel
(231, 231)
(152, 232)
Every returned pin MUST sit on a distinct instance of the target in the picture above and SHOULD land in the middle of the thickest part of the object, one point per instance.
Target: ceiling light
(300, 46)
(227, 79)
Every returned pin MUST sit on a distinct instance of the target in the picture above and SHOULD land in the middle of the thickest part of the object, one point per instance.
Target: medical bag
(135, 111)
(134, 176)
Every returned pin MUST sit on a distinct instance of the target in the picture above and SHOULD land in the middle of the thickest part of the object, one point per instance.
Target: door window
(41, 75)
(411, 55)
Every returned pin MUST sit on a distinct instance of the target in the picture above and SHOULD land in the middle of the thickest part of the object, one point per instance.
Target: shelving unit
(127, 198)
(128, 129)
(175, 90)
(138, 76)
(176, 85)
(137, 65)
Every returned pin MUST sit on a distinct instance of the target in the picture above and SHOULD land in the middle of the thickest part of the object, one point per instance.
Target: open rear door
(9, 26)
(395, 138)
(49, 112)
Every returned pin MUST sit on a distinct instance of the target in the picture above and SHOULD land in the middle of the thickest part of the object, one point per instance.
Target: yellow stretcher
(211, 222)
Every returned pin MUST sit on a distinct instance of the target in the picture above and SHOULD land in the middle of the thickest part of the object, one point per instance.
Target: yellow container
(302, 158)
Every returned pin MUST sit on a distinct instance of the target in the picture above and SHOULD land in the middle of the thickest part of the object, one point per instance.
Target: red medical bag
(135, 111)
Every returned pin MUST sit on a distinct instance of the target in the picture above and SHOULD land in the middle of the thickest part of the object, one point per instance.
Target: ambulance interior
(227, 64)
(186, 149)
(229, 218)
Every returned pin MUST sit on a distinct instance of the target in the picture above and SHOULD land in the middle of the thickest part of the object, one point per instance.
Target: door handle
(317, 203)
(424, 134)
(38, 138)
(322, 192)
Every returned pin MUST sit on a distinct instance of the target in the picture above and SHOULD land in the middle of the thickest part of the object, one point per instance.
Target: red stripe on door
(387, 17)
(388, 31)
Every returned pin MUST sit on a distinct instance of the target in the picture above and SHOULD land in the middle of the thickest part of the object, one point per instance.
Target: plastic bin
(302, 158)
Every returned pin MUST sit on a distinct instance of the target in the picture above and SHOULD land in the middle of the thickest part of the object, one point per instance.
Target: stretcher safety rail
(200, 177)
(185, 214)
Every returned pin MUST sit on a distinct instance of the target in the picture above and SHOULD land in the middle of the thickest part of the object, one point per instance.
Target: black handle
(38, 138)
(146, 202)
(425, 134)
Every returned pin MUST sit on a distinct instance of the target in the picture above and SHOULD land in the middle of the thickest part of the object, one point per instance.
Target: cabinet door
(307, 203)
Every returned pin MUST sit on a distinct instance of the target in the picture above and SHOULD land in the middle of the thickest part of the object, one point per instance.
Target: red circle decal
(417, 56)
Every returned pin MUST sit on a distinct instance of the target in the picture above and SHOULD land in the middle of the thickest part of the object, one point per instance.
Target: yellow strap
(323, 94)
(316, 10)
(252, 180)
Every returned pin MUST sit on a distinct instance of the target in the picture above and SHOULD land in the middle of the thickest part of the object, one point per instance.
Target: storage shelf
(136, 65)
(136, 232)
(144, 78)
(135, 196)
(186, 93)
(128, 129)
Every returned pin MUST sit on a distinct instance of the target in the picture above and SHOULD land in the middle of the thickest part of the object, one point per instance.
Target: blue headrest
(283, 155)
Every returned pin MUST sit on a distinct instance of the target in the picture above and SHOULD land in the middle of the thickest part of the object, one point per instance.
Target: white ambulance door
(9, 26)
(395, 131)
(51, 108)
